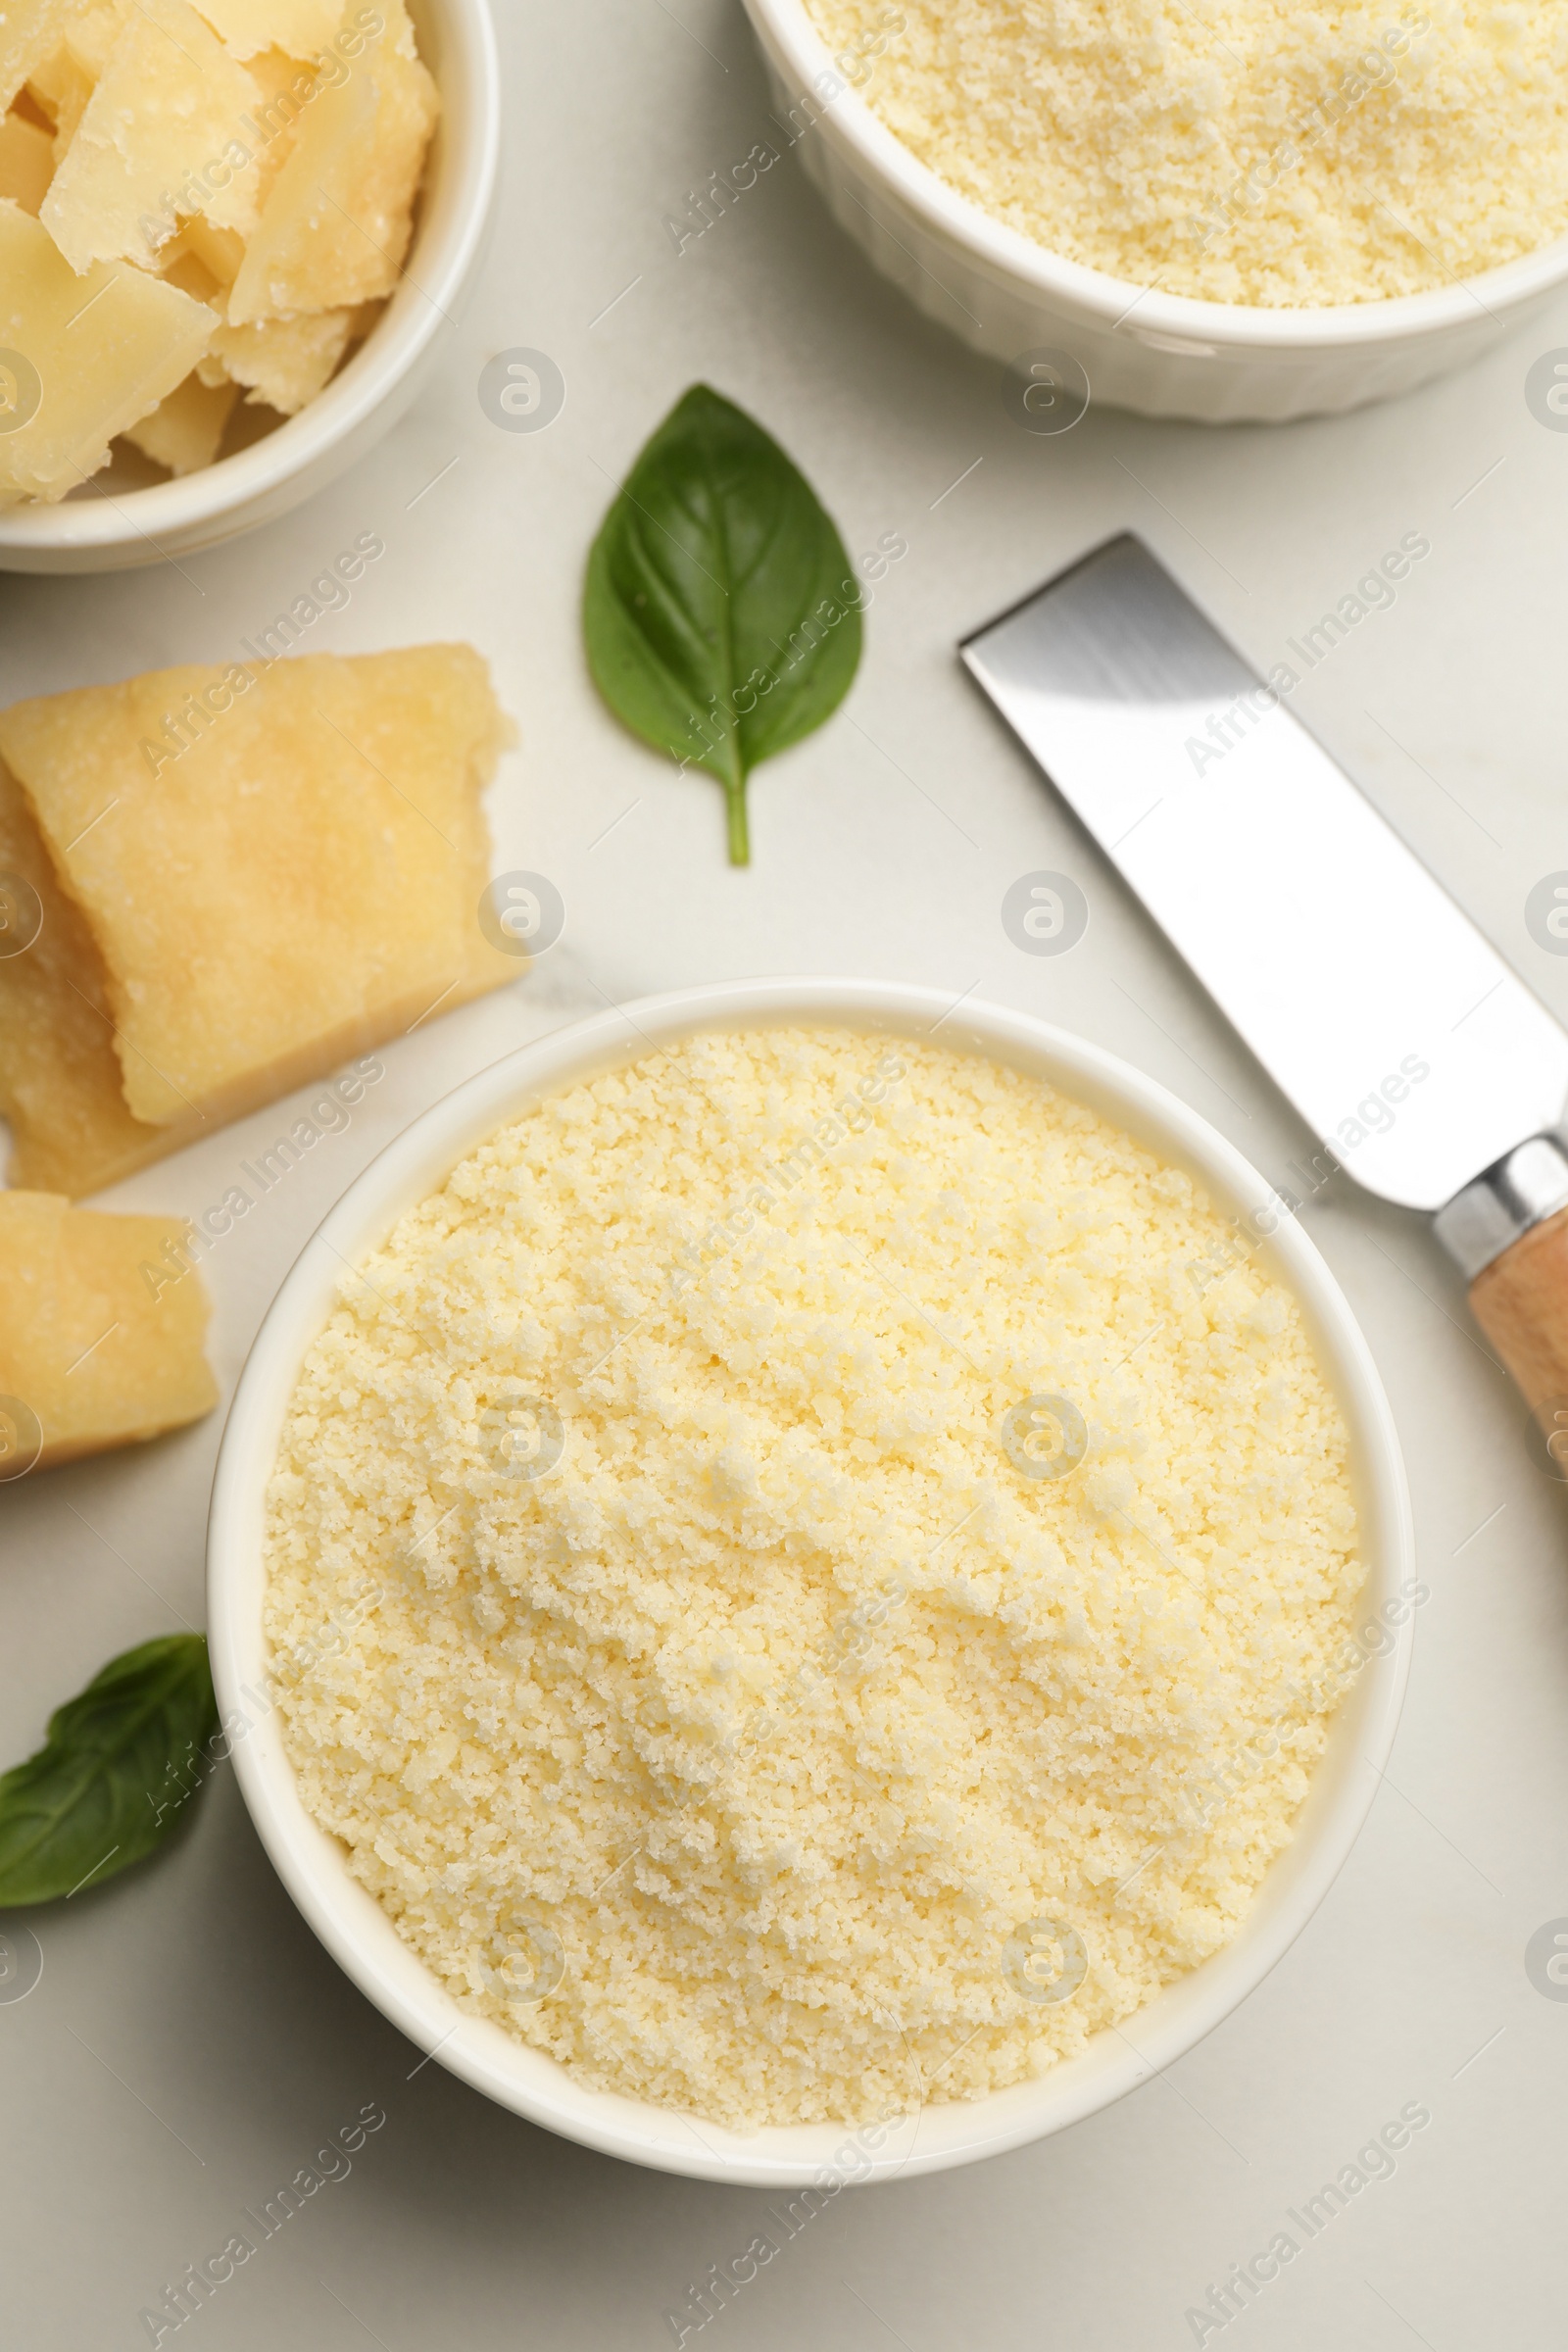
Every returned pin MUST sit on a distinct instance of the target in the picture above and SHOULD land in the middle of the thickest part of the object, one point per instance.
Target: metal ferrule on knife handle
(1507, 1231)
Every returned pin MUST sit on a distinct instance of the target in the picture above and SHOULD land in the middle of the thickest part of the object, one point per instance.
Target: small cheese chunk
(285, 361)
(163, 136)
(95, 354)
(299, 882)
(60, 1087)
(336, 221)
(101, 1326)
(300, 27)
(184, 430)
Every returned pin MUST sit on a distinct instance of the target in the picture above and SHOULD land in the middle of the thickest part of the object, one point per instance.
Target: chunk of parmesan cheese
(174, 805)
(184, 430)
(160, 137)
(93, 1352)
(96, 352)
(338, 217)
(284, 361)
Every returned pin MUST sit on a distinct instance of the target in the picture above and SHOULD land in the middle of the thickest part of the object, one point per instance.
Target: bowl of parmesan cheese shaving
(231, 235)
(1253, 211)
(807, 1585)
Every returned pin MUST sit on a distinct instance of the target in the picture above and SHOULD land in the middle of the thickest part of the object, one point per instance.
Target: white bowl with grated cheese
(1156, 353)
(361, 1934)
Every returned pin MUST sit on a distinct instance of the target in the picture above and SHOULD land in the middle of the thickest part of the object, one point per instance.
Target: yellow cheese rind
(184, 430)
(162, 137)
(59, 1086)
(663, 1618)
(100, 1336)
(299, 883)
(27, 162)
(97, 353)
(336, 223)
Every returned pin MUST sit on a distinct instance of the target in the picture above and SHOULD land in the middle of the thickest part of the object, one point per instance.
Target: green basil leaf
(112, 1780)
(721, 616)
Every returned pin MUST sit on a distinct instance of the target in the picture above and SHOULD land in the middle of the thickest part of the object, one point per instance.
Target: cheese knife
(1420, 1060)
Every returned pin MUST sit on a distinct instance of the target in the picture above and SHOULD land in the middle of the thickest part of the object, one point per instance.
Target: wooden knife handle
(1521, 1303)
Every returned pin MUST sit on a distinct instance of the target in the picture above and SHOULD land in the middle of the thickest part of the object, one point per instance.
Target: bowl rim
(351, 1923)
(1108, 303)
(443, 249)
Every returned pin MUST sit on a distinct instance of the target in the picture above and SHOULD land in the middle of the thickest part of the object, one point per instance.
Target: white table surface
(190, 2046)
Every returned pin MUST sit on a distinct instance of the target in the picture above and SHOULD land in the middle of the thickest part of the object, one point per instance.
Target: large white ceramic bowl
(361, 1936)
(1164, 355)
(94, 531)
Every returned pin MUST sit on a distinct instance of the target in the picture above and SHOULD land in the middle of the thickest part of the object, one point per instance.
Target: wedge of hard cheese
(279, 867)
(92, 1352)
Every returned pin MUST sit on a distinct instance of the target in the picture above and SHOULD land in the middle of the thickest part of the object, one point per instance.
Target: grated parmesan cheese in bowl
(811, 1574)
(1250, 152)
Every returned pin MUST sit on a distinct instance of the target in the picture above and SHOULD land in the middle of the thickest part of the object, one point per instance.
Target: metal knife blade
(1402, 1036)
